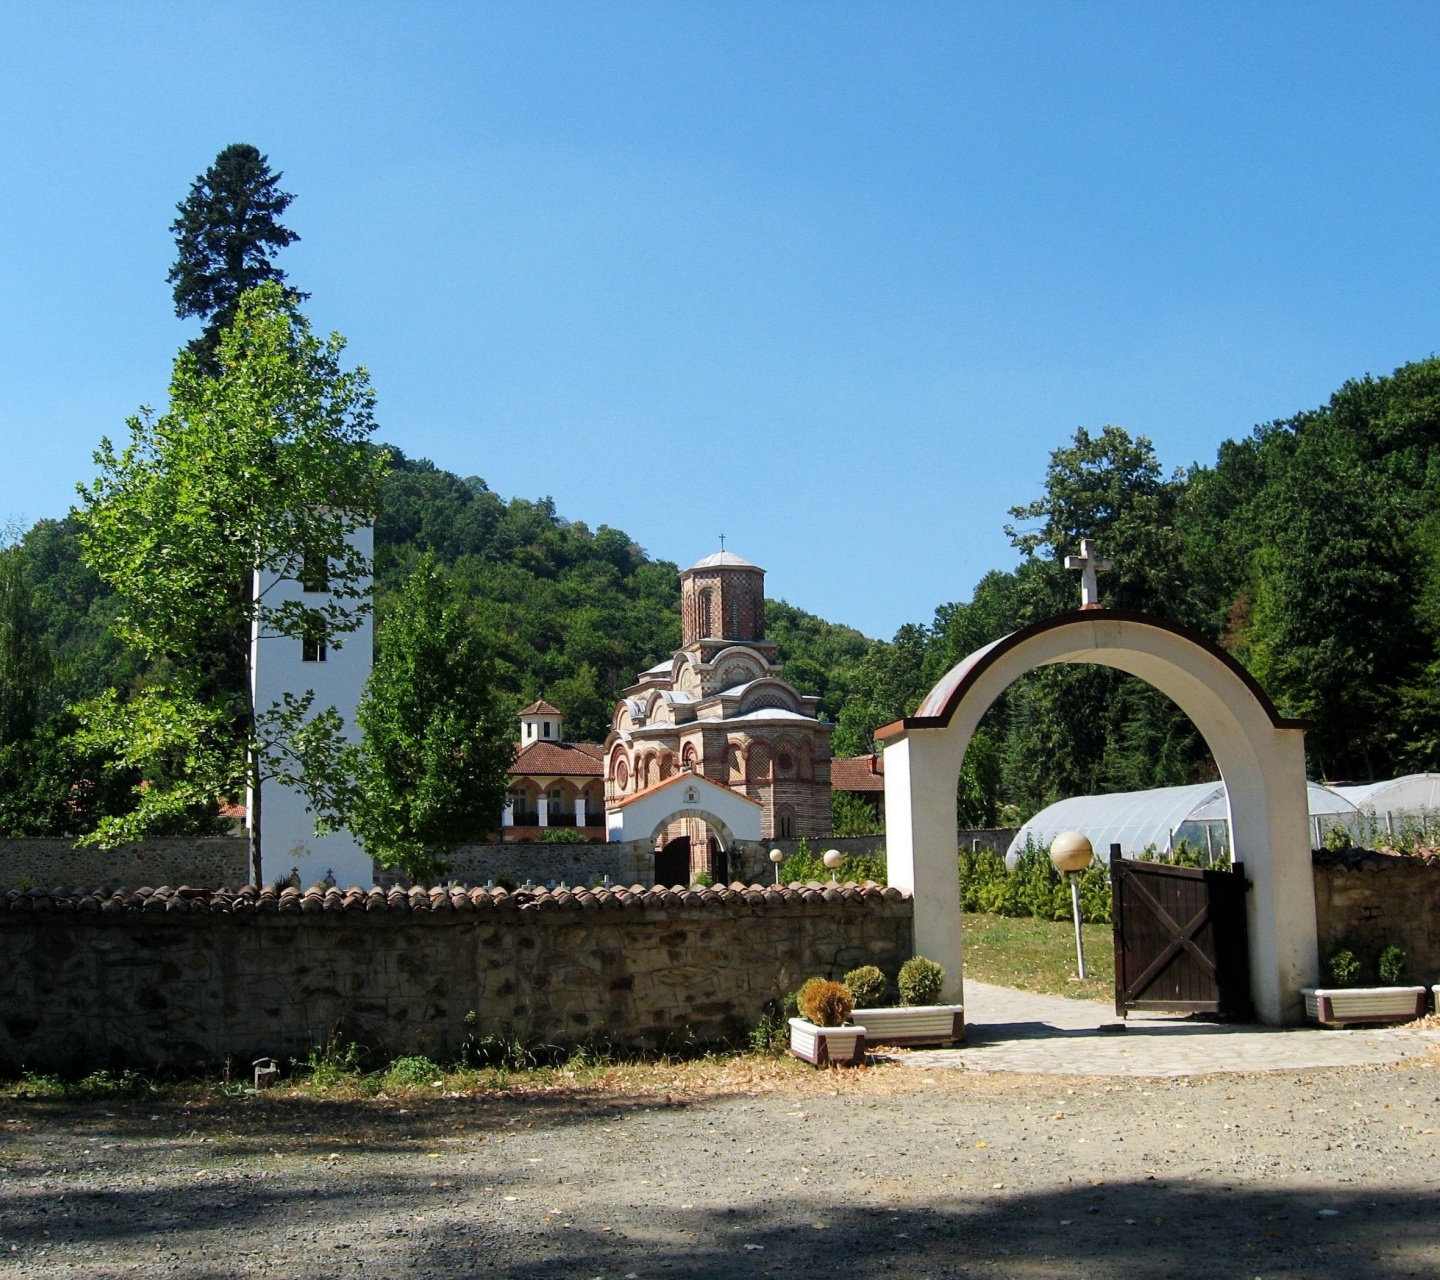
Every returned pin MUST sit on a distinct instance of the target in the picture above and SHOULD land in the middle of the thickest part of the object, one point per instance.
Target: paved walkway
(1008, 1030)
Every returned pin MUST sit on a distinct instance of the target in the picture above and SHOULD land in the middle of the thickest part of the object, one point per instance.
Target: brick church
(720, 708)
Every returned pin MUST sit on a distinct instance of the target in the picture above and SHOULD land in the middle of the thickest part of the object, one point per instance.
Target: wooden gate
(672, 863)
(1180, 939)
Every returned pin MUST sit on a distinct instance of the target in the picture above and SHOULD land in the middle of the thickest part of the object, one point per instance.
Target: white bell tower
(336, 674)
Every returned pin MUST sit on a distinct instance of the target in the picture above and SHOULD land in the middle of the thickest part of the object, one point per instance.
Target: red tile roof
(685, 775)
(858, 773)
(174, 902)
(541, 708)
(560, 759)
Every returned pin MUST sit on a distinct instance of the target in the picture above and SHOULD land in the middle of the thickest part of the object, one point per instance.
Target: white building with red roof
(553, 783)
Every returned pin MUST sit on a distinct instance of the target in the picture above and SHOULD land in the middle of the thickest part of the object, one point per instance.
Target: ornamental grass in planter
(917, 1019)
(1343, 1003)
(823, 1034)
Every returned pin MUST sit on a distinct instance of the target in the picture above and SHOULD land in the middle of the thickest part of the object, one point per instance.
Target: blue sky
(829, 279)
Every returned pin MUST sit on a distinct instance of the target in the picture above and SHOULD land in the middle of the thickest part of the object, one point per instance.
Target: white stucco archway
(1261, 757)
(641, 817)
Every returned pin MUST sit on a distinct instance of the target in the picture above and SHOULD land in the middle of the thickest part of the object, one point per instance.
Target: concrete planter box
(1341, 1006)
(827, 1046)
(912, 1025)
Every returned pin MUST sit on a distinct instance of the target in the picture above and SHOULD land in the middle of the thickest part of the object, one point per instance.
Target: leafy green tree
(431, 771)
(852, 815)
(227, 235)
(261, 468)
(1108, 487)
(25, 661)
(888, 683)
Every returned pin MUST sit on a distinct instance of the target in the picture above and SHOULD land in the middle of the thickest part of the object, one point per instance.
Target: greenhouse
(1159, 820)
(1404, 810)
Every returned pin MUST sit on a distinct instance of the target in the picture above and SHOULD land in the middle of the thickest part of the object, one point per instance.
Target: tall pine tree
(228, 233)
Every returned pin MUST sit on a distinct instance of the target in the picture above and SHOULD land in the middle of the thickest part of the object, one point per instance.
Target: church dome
(721, 560)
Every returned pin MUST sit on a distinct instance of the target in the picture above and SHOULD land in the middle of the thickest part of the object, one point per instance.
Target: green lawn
(1038, 955)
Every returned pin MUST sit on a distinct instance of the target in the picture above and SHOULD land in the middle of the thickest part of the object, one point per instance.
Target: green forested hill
(570, 613)
(1310, 548)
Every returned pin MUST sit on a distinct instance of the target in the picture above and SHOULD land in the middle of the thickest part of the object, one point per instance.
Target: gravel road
(781, 1171)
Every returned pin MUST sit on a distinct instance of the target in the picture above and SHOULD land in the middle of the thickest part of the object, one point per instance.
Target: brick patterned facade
(720, 708)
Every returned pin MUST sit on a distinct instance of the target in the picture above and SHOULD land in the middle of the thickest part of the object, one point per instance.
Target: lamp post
(832, 860)
(1070, 854)
(777, 857)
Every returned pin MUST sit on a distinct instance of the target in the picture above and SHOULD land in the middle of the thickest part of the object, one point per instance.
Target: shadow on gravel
(310, 1122)
(1128, 1230)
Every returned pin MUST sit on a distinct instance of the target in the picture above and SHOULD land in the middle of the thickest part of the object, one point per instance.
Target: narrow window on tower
(704, 614)
(315, 574)
(734, 619)
(312, 639)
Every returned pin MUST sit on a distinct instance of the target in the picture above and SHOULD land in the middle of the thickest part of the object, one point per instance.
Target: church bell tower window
(704, 614)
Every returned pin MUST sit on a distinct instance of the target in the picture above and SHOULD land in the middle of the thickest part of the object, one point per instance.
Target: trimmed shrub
(561, 835)
(867, 986)
(920, 981)
(1392, 965)
(1343, 968)
(825, 1003)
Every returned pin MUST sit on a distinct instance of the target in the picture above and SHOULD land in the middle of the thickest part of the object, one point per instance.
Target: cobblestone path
(1010, 1030)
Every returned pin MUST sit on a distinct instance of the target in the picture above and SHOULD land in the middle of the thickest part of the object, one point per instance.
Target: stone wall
(995, 838)
(47, 864)
(540, 864)
(1366, 901)
(192, 978)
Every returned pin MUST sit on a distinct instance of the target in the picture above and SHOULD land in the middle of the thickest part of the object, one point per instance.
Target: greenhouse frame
(1159, 820)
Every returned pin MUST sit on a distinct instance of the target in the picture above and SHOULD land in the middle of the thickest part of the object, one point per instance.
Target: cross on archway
(1089, 564)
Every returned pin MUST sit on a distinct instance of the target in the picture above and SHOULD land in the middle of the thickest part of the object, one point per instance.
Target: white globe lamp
(1070, 854)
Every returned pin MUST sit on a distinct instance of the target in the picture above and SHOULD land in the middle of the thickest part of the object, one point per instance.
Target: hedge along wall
(184, 978)
(1365, 902)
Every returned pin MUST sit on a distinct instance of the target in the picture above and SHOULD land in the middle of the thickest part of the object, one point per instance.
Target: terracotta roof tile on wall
(247, 901)
(555, 759)
(858, 773)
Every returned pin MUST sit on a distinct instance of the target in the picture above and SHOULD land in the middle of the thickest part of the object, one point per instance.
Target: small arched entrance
(1261, 757)
(689, 807)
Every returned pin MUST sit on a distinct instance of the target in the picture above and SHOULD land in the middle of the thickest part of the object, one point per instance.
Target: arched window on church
(757, 763)
(785, 822)
(734, 767)
(687, 757)
(704, 618)
(734, 618)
